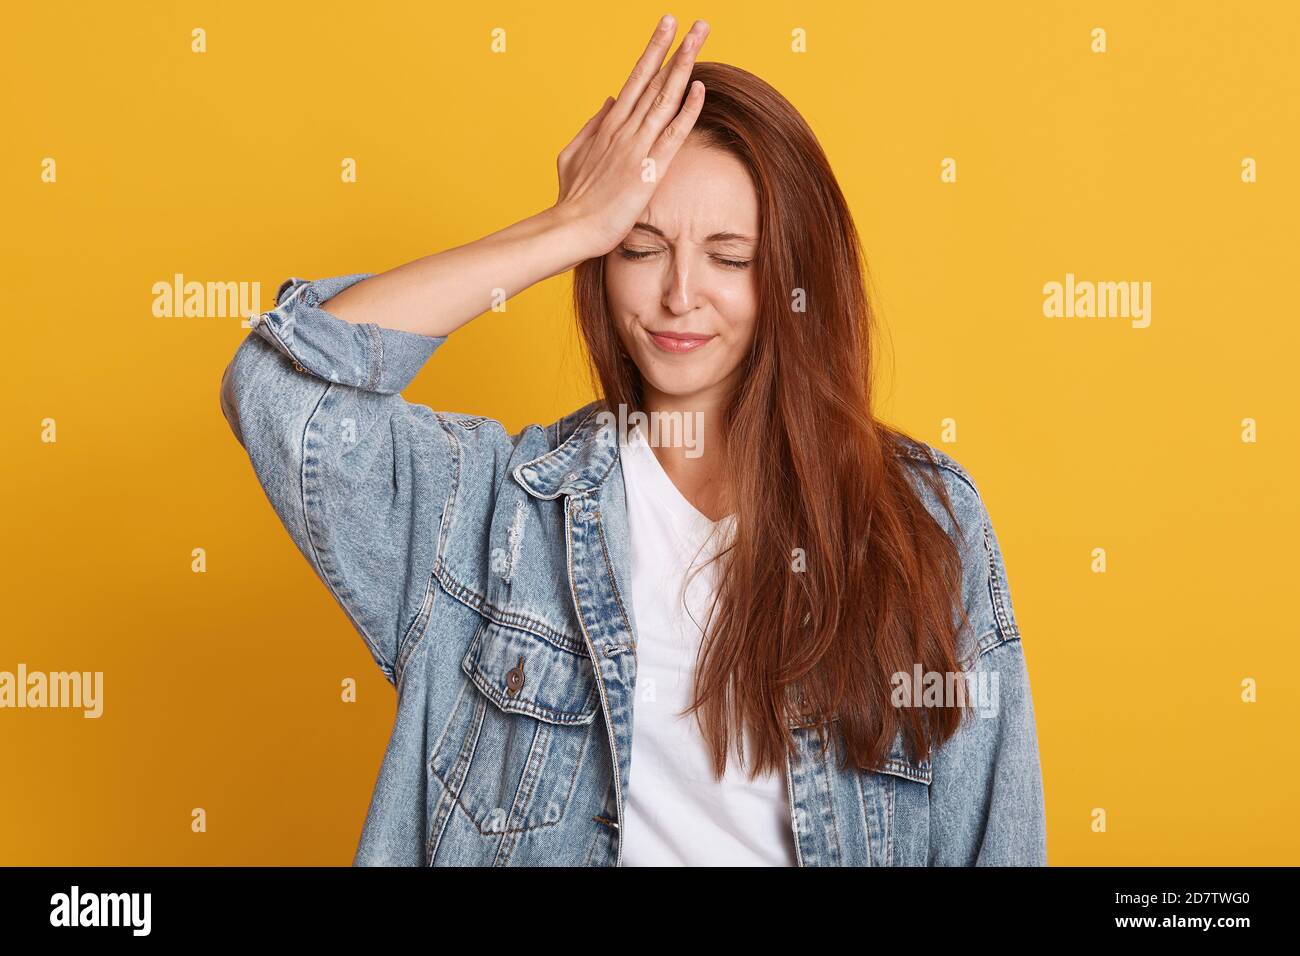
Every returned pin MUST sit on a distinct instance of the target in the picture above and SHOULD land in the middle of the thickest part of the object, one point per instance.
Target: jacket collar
(578, 465)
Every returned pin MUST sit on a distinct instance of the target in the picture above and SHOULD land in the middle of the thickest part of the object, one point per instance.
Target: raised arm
(439, 293)
(360, 477)
(605, 184)
(357, 475)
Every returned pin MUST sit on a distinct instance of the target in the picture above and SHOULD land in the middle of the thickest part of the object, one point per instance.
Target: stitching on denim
(996, 583)
(520, 622)
(562, 718)
(538, 751)
(1002, 642)
(419, 626)
(891, 796)
(613, 581)
(323, 560)
(940, 459)
(865, 804)
(470, 423)
(605, 708)
(482, 705)
(465, 760)
(449, 797)
(471, 664)
(552, 461)
(827, 790)
(270, 330)
(376, 356)
(794, 810)
(998, 588)
(909, 771)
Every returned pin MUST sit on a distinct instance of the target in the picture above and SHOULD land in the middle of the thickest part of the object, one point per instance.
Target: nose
(682, 289)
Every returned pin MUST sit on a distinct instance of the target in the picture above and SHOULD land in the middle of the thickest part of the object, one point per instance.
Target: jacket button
(515, 678)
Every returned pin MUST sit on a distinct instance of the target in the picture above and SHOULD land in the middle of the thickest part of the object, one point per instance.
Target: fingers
(646, 67)
(662, 98)
(674, 134)
(585, 133)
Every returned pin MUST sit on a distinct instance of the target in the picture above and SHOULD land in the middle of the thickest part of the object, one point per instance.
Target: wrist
(570, 237)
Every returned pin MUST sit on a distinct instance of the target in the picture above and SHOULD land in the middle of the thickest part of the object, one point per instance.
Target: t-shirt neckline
(636, 444)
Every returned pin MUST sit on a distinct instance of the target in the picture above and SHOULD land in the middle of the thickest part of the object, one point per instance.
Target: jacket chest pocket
(521, 732)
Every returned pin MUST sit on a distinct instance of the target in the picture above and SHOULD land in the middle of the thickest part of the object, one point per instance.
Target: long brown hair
(808, 467)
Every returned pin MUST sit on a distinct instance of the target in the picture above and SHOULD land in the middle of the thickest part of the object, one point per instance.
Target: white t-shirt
(675, 812)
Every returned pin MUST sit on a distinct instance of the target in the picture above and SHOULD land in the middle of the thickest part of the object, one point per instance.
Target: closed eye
(634, 255)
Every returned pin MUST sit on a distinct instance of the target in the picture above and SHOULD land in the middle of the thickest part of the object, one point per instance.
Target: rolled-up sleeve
(360, 355)
(986, 798)
(357, 475)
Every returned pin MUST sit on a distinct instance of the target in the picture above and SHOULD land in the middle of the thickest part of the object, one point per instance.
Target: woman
(792, 599)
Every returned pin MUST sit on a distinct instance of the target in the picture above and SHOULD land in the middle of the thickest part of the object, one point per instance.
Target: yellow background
(222, 688)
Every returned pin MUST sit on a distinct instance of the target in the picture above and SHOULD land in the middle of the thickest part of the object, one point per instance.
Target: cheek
(626, 303)
(738, 308)
(631, 294)
(627, 290)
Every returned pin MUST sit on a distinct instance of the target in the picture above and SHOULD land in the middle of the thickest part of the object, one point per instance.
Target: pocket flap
(524, 673)
(900, 765)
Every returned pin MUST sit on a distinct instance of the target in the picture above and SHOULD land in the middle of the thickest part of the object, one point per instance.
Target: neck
(691, 449)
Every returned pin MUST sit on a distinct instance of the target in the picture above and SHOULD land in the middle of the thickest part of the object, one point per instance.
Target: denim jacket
(488, 575)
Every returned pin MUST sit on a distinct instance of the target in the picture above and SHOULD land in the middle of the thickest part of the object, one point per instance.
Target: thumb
(588, 128)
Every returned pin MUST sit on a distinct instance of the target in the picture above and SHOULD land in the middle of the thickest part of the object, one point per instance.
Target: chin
(675, 385)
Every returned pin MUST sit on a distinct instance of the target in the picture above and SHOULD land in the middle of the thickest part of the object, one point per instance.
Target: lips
(679, 342)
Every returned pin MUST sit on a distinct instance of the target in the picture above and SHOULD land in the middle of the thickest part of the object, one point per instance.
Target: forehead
(705, 190)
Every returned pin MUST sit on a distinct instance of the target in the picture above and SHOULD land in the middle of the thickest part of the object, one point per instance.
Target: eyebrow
(715, 237)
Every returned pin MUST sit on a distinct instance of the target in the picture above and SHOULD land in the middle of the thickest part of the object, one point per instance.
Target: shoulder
(921, 456)
(483, 451)
(490, 429)
(929, 469)
(986, 591)
(567, 427)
